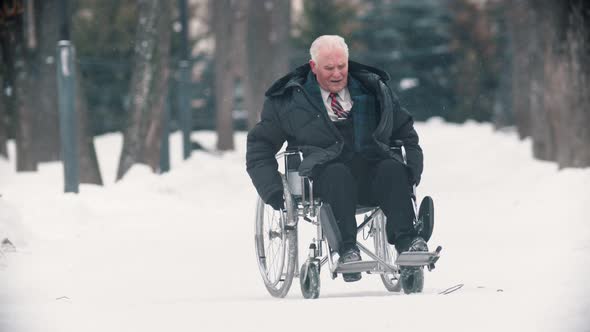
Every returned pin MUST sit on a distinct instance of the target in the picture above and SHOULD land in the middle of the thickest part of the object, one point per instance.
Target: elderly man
(344, 117)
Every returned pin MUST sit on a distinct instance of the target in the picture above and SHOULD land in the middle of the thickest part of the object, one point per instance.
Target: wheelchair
(276, 239)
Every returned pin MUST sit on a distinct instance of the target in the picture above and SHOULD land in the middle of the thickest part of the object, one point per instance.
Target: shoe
(351, 255)
(412, 278)
(418, 244)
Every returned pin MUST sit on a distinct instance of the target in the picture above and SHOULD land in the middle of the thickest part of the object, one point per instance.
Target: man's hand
(277, 201)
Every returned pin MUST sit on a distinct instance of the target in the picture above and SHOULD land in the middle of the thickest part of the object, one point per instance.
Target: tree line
(550, 79)
(522, 64)
(29, 32)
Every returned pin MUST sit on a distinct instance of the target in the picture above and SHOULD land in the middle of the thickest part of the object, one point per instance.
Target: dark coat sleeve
(405, 131)
(264, 141)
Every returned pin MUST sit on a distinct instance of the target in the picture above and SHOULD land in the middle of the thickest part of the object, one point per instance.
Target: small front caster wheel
(412, 279)
(310, 280)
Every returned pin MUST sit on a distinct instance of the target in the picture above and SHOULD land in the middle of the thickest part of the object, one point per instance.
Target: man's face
(331, 69)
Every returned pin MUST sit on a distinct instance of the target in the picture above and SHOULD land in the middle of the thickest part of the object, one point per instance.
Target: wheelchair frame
(302, 205)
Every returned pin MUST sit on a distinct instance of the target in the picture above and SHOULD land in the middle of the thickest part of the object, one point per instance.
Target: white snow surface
(175, 252)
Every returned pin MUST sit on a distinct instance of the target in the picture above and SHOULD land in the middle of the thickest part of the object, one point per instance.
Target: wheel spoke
(276, 247)
(386, 252)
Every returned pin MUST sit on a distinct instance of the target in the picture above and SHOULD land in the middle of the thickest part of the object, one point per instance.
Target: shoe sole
(351, 277)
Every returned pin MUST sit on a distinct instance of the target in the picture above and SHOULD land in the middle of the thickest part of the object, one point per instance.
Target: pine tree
(410, 39)
(329, 17)
(476, 61)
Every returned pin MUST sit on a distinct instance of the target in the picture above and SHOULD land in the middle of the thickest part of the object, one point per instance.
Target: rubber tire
(426, 214)
(310, 286)
(290, 251)
(412, 280)
(381, 247)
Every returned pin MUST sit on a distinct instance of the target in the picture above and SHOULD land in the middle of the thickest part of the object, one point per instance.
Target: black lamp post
(184, 84)
(66, 87)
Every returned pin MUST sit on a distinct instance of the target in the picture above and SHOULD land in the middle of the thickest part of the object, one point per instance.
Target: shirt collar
(343, 94)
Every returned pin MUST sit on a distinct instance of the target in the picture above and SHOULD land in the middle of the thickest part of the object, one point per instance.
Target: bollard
(186, 120)
(66, 87)
(185, 109)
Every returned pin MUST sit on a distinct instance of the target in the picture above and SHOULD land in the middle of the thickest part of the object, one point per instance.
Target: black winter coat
(292, 114)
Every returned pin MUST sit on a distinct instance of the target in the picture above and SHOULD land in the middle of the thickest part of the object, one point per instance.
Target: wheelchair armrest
(399, 149)
(292, 158)
(299, 186)
(398, 143)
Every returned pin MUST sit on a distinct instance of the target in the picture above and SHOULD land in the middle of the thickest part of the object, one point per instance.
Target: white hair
(327, 41)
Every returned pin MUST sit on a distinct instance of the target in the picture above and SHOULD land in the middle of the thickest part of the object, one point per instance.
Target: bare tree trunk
(519, 31)
(149, 84)
(25, 149)
(240, 18)
(3, 115)
(153, 139)
(89, 170)
(551, 78)
(541, 130)
(280, 38)
(223, 27)
(579, 50)
(47, 143)
(570, 65)
(502, 106)
(3, 125)
(268, 51)
(7, 82)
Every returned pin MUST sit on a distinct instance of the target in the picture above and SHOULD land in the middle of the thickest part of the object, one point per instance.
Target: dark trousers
(385, 183)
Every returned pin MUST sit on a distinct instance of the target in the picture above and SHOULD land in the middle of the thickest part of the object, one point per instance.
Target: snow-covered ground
(176, 253)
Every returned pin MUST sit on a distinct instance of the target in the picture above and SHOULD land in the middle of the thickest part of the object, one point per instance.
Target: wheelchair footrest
(360, 266)
(418, 258)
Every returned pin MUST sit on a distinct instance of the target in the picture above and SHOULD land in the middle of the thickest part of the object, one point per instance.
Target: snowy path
(175, 253)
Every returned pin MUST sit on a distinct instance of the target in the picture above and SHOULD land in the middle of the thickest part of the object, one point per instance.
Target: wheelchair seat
(362, 209)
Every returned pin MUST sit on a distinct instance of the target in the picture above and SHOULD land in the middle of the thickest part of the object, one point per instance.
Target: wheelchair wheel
(425, 224)
(387, 252)
(276, 245)
(412, 279)
(310, 280)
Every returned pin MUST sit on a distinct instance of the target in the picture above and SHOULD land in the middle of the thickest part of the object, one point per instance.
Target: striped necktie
(336, 107)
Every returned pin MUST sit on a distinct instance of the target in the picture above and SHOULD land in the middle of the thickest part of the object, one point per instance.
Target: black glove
(276, 200)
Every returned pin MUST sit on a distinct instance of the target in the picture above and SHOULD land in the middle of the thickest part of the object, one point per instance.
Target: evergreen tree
(410, 40)
(104, 32)
(475, 74)
(329, 17)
